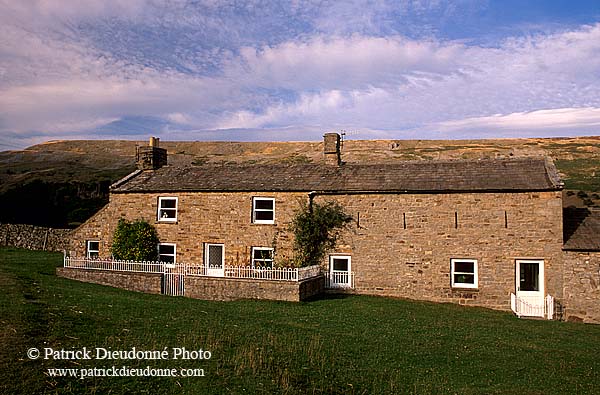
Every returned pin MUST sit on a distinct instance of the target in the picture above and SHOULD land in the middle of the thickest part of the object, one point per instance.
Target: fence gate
(173, 281)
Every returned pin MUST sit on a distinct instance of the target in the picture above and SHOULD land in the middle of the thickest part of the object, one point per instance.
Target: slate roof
(523, 174)
(581, 229)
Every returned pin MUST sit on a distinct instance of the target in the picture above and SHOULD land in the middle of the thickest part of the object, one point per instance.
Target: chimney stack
(331, 149)
(151, 157)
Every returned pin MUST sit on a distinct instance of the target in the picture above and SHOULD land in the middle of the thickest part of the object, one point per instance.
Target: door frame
(536, 299)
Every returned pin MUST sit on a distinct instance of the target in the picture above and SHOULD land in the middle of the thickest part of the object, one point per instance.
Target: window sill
(465, 289)
(166, 222)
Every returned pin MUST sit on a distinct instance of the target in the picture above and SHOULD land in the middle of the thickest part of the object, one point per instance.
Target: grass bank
(346, 345)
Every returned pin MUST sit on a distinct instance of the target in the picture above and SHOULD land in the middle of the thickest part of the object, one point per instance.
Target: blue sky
(267, 70)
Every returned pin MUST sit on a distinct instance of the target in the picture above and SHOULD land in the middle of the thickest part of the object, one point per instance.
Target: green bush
(135, 241)
(316, 228)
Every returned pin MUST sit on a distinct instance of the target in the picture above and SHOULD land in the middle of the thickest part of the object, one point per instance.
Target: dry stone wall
(582, 286)
(34, 237)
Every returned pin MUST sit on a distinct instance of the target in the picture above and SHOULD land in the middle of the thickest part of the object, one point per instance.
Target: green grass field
(343, 345)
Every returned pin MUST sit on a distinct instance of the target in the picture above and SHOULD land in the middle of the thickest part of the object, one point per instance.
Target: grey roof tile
(523, 174)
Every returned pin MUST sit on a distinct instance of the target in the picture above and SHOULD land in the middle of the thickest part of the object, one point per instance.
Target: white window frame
(252, 260)
(174, 255)
(475, 273)
(333, 276)
(89, 250)
(161, 218)
(255, 210)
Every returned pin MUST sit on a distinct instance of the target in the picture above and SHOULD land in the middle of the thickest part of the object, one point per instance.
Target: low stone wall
(207, 288)
(220, 288)
(34, 237)
(582, 286)
(140, 282)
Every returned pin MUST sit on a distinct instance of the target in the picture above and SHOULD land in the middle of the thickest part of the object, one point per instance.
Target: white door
(214, 260)
(530, 287)
(340, 273)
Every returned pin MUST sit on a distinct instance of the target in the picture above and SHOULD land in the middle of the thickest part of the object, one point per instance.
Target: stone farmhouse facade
(483, 233)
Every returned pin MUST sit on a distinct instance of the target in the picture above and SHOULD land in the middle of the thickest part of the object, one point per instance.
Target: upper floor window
(167, 209)
(262, 257)
(92, 249)
(167, 252)
(463, 273)
(263, 210)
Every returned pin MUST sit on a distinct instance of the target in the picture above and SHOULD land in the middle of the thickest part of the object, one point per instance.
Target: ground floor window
(92, 249)
(340, 273)
(463, 273)
(167, 252)
(262, 257)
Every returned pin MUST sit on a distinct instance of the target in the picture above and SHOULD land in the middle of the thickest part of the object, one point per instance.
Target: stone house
(472, 232)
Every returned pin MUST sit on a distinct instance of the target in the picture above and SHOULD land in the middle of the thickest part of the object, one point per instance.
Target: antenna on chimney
(344, 133)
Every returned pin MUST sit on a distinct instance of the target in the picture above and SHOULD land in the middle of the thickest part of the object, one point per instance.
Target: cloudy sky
(291, 70)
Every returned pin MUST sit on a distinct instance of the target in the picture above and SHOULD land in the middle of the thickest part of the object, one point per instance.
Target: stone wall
(141, 282)
(400, 244)
(582, 286)
(216, 288)
(223, 218)
(207, 288)
(34, 237)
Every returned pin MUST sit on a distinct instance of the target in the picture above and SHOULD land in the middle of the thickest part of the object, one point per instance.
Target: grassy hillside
(344, 345)
(64, 182)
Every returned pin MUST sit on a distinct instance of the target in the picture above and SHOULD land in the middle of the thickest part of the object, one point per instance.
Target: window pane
(340, 264)
(263, 254)
(166, 249)
(264, 215)
(93, 245)
(168, 213)
(464, 267)
(168, 203)
(529, 278)
(263, 204)
(167, 258)
(464, 279)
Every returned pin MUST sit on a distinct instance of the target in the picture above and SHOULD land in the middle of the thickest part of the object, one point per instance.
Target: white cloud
(395, 83)
(568, 119)
(345, 62)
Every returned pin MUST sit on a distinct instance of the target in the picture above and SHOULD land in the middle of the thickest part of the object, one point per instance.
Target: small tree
(135, 241)
(316, 228)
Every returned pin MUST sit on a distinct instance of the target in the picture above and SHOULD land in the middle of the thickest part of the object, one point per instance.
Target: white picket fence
(533, 307)
(114, 265)
(263, 273)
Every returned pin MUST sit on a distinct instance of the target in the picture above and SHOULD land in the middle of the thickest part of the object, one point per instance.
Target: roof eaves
(340, 191)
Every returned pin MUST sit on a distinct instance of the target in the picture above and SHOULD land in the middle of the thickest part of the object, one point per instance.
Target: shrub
(135, 241)
(316, 228)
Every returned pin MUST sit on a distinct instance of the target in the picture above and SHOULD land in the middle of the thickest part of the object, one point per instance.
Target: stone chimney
(151, 157)
(332, 149)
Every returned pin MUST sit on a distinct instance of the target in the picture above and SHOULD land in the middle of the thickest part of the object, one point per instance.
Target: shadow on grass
(329, 296)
